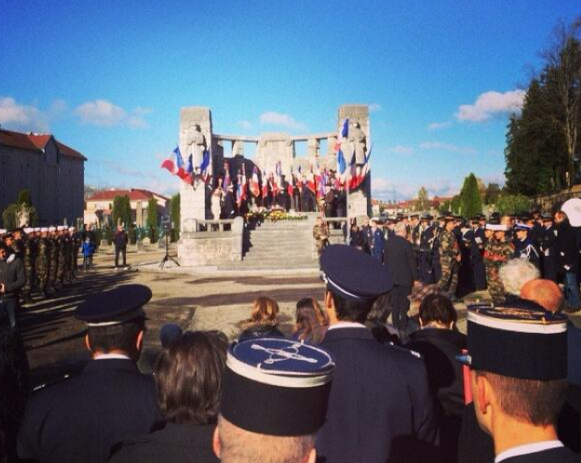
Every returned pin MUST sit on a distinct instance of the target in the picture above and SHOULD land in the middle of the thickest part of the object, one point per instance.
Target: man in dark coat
(400, 259)
(12, 279)
(548, 241)
(380, 407)
(377, 242)
(567, 247)
(120, 240)
(80, 419)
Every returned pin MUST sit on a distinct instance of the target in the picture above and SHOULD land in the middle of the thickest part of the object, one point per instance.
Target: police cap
(277, 387)
(114, 307)
(517, 342)
(353, 274)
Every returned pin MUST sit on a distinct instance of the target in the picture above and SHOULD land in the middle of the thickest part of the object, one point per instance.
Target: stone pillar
(193, 201)
(237, 239)
(272, 148)
(359, 201)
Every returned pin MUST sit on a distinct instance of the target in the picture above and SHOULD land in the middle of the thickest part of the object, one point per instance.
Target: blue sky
(109, 78)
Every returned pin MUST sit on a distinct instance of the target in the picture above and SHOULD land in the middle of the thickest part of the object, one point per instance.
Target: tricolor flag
(311, 181)
(227, 182)
(341, 162)
(177, 167)
(254, 184)
(358, 176)
(205, 162)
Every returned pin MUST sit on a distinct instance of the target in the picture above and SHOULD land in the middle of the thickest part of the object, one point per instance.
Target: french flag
(358, 178)
(178, 167)
(254, 185)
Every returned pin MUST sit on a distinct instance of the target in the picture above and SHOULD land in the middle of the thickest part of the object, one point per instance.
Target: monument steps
(280, 245)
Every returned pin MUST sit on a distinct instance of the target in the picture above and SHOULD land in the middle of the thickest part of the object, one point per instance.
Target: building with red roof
(99, 206)
(53, 172)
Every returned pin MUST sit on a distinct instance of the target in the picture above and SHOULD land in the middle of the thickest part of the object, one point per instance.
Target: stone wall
(210, 248)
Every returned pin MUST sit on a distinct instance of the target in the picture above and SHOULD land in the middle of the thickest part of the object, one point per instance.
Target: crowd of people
(359, 380)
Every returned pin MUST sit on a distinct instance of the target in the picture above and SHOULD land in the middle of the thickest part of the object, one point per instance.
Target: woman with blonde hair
(263, 320)
(311, 321)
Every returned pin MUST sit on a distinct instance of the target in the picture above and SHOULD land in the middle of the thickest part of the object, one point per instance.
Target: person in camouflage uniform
(64, 255)
(30, 250)
(43, 262)
(449, 258)
(54, 259)
(321, 235)
(75, 246)
(497, 251)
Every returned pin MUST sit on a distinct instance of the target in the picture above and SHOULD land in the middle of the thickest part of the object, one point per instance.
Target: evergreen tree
(492, 193)
(470, 201)
(152, 219)
(121, 210)
(174, 211)
(422, 202)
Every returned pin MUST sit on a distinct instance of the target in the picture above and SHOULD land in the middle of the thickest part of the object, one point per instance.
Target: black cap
(426, 216)
(547, 217)
(353, 274)
(114, 307)
(276, 386)
(517, 342)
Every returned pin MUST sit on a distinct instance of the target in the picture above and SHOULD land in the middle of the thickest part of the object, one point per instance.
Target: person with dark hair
(567, 250)
(80, 419)
(400, 258)
(518, 363)
(120, 240)
(380, 407)
(439, 343)
(188, 375)
(263, 320)
(311, 321)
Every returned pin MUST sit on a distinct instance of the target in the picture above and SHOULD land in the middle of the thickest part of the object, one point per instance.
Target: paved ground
(194, 300)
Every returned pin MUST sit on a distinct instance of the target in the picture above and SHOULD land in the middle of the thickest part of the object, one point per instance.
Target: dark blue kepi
(353, 274)
(277, 387)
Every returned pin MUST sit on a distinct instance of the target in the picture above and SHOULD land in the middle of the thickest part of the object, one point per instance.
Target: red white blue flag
(175, 166)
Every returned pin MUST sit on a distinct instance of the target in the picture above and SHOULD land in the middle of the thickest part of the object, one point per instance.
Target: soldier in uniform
(54, 258)
(370, 408)
(30, 251)
(524, 248)
(76, 243)
(80, 419)
(43, 260)
(63, 252)
(321, 235)
(450, 258)
(497, 251)
(377, 242)
(476, 241)
(548, 243)
(426, 246)
(366, 236)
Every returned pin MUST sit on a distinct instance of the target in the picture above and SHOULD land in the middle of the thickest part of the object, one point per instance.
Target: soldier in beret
(450, 258)
(79, 420)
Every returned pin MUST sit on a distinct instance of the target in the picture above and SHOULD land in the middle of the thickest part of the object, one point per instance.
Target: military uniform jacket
(497, 253)
(449, 248)
(526, 250)
(80, 419)
(427, 238)
(380, 407)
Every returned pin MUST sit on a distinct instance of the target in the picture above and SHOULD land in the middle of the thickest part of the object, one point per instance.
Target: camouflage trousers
(449, 280)
(30, 271)
(321, 244)
(495, 286)
(43, 271)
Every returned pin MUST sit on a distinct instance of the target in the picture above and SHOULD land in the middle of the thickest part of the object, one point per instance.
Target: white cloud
(103, 113)
(436, 145)
(25, 118)
(245, 124)
(492, 104)
(374, 107)
(439, 125)
(403, 150)
(281, 120)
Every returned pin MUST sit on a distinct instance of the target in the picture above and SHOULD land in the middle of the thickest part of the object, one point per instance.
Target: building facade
(99, 207)
(53, 172)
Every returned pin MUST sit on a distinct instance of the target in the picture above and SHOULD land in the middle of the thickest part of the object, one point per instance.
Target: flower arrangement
(274, 215)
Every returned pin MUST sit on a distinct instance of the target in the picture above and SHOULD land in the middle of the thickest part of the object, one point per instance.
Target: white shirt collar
(111, 356)
(339, 325)
(528, 449)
